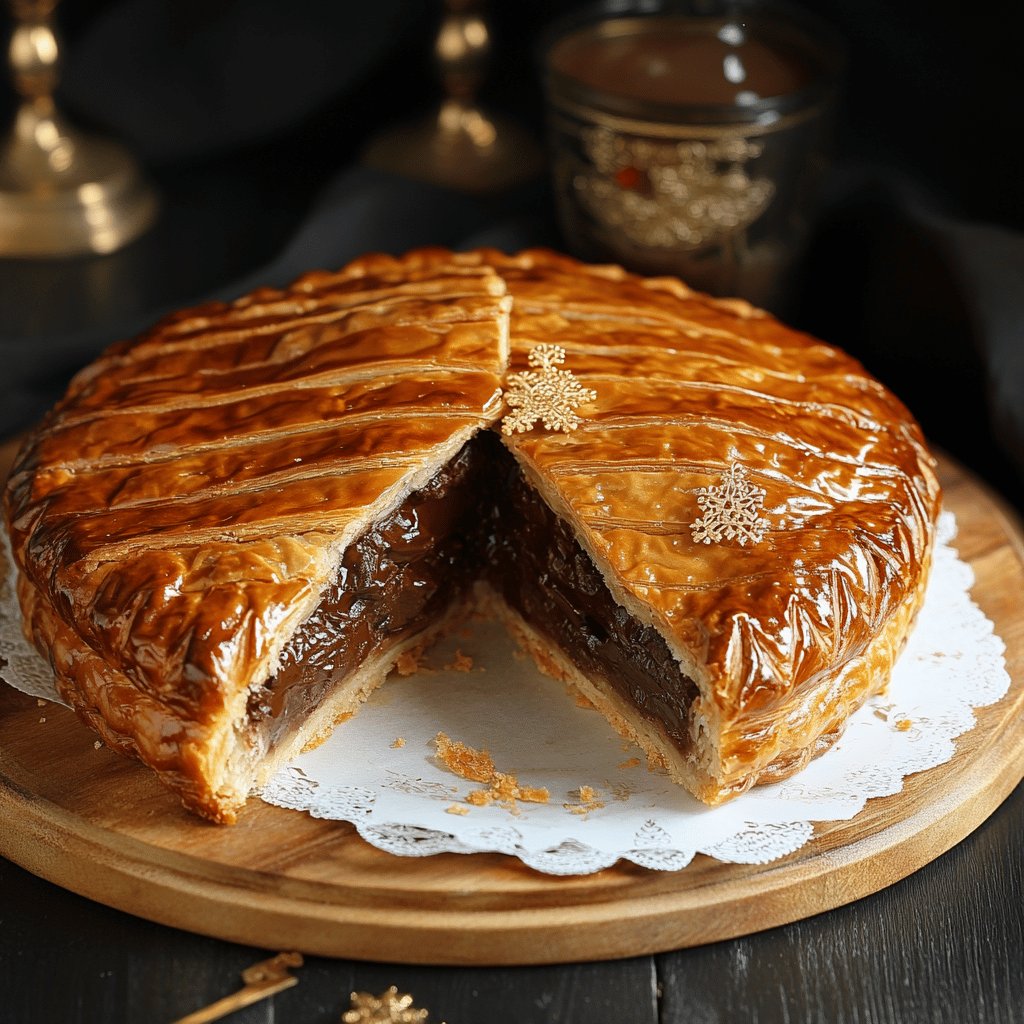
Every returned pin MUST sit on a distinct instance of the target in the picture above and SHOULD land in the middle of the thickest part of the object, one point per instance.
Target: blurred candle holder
(688, 138)
(461, 146)
(62, 192)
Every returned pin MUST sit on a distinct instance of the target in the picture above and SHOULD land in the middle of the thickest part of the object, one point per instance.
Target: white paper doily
(378, 770)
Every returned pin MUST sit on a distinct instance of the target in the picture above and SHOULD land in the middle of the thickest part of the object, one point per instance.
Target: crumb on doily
(409, 662)
(478, 766)
(632, 762)
(584, 800)
(460, 663)
(464, 761)
(904, 724)
(398, 742)
(460, 809)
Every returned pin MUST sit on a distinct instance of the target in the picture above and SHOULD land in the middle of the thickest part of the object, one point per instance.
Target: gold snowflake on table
(731, 510)
(544, 393)
(390, 1007)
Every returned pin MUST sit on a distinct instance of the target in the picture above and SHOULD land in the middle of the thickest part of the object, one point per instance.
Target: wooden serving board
(104, 827)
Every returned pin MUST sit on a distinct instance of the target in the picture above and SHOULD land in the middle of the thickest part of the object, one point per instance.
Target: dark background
(250, 116)
(245, 112)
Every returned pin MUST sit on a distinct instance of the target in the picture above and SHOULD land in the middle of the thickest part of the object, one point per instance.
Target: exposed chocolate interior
(395, 580)
(476, 519)
(532, 558)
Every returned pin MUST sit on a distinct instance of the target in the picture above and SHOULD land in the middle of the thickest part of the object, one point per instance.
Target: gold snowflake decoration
(390, 1007)
(731, 510)
(544, 393)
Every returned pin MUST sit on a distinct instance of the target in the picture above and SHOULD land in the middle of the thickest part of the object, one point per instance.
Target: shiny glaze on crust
(687, 385)
(190, 492)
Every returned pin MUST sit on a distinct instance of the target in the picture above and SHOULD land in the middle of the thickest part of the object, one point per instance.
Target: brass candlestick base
(62, 193)
(461, 146)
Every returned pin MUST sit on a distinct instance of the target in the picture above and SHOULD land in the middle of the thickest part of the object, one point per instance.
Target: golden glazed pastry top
(688, 387)
(186, 502)
(184, 505)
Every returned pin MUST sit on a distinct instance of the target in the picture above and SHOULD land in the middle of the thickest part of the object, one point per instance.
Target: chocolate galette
(232, 527)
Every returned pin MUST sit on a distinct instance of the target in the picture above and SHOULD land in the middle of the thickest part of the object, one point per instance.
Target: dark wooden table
(944, 945)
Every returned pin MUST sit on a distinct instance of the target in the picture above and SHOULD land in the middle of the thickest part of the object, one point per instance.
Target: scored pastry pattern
(288, 423)
(276, 421)
(689, 384)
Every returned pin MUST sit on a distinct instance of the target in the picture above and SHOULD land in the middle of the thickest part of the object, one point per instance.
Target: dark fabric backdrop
(250, 117)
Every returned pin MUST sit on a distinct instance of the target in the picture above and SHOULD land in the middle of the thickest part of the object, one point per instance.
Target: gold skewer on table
(261, 981)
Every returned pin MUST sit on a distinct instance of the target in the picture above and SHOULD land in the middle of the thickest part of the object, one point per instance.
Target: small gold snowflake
(731, 510)
(544, 393)
(390, 1007)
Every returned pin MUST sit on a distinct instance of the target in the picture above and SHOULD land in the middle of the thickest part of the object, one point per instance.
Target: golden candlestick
(62, 192)
(461, 146)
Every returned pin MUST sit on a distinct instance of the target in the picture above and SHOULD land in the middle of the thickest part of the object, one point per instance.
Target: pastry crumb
(534, 794)
(459, 809)
(633, 762)
(467, 763)
(410, 661)
(461, 662)
(98, 745)
(40, 703)
(581, 701)
(478, 766)
(883, 711)
(586, 799)
(904, 724)
(397, 743)
(42, 721)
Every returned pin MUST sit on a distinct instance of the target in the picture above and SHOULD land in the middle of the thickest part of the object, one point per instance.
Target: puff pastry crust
(179, 515)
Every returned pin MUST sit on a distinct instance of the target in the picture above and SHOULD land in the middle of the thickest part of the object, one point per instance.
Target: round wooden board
(104, 827)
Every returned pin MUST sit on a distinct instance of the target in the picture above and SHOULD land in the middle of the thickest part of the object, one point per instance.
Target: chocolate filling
(476, 519)
(535, 562)
(397, 579)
